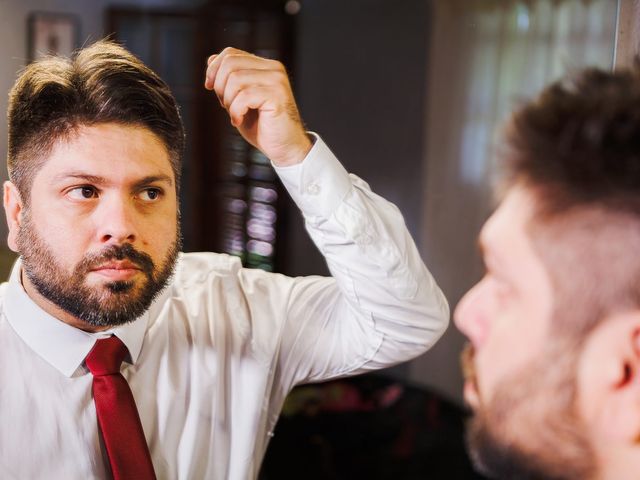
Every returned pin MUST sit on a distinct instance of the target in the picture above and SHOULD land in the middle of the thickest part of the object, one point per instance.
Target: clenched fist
(257, 94)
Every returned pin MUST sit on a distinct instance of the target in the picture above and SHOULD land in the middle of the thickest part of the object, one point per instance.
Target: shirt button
(313, 189)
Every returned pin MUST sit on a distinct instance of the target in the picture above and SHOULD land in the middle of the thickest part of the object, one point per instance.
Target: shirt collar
(61, 345)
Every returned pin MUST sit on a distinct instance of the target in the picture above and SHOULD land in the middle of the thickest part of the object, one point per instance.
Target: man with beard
(553, 371)
(210, 350)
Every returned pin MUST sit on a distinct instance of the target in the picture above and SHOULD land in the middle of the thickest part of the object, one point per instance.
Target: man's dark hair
(103, 83)
(576, 148)
(574, 154)
(579, 142)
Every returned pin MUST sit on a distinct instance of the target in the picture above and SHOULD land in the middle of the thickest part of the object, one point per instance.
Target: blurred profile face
(519, 377)
(99, 233)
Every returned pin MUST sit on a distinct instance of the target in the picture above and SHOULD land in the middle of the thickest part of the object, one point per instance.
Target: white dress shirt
(214, 357)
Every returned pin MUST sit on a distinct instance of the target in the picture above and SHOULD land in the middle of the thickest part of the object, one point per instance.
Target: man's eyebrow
(80, 176)
(98, 180)
(153, 179)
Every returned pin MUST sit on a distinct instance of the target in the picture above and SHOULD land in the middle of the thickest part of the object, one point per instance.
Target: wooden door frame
(627, 45)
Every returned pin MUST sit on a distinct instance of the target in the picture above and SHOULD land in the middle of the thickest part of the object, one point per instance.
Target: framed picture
(52, 33)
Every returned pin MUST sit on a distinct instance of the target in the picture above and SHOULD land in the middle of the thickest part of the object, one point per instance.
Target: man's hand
(257, 94)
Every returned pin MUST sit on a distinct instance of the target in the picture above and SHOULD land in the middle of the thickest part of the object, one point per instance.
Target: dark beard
(530, 430)
(500, 461)
(113, 304)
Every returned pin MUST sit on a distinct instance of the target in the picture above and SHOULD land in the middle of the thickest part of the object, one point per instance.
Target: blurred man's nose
(471, 315)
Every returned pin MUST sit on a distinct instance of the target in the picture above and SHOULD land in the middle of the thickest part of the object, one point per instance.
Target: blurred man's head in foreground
(553, 368)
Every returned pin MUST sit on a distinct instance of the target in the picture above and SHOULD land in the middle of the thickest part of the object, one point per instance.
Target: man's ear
(609, 379)
(13, 210)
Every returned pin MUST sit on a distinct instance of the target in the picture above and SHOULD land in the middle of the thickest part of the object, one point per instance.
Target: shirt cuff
(319, 183)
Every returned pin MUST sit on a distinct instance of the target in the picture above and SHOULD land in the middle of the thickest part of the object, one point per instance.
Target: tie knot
(106, 356)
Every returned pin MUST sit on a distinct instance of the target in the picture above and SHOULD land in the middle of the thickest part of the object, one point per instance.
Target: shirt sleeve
(381, 306)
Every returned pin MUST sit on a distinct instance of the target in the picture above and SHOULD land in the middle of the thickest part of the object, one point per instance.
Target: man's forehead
(112, 132)
(101, 149)
(507, 225)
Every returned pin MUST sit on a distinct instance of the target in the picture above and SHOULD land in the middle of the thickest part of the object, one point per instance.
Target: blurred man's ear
(609, 380)
(13, 212)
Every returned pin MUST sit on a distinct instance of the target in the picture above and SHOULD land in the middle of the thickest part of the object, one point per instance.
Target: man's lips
(117, 270)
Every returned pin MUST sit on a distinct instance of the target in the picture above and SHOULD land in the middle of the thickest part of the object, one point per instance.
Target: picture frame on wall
(52, 33)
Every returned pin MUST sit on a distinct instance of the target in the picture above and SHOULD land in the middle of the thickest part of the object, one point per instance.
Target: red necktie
(117, 413)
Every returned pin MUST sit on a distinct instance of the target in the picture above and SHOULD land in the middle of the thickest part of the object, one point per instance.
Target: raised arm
(381, 306)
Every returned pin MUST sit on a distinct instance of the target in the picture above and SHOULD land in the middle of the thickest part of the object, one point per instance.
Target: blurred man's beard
(530, 430)
(103, 305)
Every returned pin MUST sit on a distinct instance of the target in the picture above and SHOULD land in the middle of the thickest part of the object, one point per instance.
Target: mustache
(117, 252)
(466, 362)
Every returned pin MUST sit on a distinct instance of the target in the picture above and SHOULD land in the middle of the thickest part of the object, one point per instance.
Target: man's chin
(121, 287)
(105, 287)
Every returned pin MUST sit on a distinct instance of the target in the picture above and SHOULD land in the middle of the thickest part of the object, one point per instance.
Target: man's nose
(116, 220)
(471, 315)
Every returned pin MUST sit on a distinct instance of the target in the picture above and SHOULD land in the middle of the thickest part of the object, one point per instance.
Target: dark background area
(360, 78)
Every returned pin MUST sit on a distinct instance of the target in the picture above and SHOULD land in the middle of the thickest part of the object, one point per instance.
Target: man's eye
(150, 194)
(83, 193)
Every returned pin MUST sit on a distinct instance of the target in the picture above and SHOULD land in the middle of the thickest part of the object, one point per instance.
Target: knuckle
(232, 78)
(236, 82)
(224, 64)
(241, 97)
(229, 50)
(278, 65)
(229, 60)
(235, 109)
(229, 64)
(282, 77)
